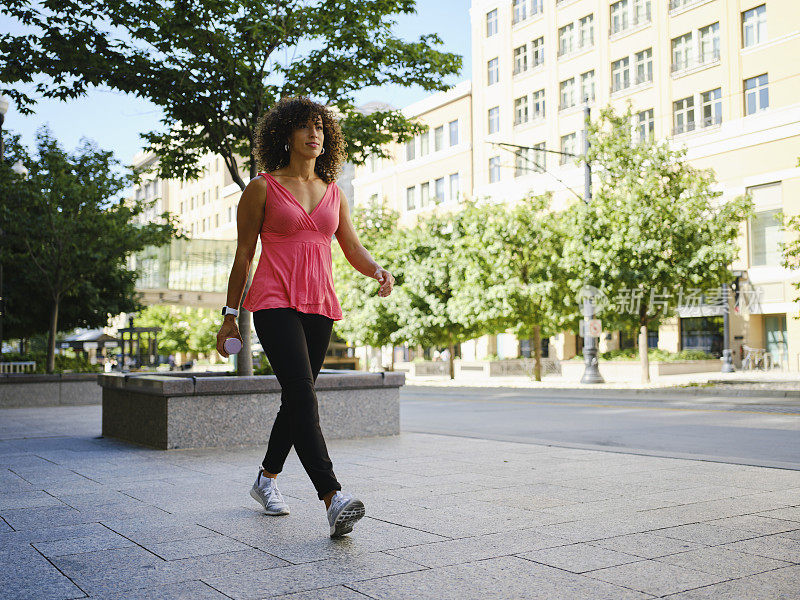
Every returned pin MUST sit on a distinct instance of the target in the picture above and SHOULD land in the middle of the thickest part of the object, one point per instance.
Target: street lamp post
(591, 372)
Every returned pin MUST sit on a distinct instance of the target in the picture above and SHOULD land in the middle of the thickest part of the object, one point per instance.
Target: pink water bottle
(232, 345)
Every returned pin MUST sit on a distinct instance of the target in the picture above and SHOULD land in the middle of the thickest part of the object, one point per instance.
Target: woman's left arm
(355, 253)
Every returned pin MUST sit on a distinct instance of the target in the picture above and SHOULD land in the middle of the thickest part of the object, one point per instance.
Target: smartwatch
(227, 310)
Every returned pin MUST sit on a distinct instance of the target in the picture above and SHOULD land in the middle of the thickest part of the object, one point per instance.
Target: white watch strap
(231, 311)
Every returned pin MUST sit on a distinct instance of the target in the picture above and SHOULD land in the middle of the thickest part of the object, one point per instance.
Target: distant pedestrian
(296, 207)
(171, 361)
(445, 354)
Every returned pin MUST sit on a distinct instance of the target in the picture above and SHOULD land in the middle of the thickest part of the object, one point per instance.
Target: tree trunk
(391, 367)
(643, 354)
(537, 352)
(51, 338)
(244, 360)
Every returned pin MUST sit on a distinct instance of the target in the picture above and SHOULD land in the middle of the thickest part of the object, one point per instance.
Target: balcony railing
(697, 60)
(712, 120)
(573, 50)
(633, 23)
(683, 128)
(676, 4)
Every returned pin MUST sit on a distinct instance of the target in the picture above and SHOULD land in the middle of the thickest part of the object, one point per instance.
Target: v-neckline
(296, 201)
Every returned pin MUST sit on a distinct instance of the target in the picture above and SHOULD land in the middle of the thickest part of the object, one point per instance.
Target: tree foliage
(66, 242)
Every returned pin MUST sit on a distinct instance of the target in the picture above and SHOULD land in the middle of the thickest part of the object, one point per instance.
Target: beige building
(716, 76)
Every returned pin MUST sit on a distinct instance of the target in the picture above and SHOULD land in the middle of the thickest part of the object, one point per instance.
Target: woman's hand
(385, 279)
(229, 329)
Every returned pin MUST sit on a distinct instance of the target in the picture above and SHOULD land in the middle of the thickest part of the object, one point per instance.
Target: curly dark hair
(275, 126)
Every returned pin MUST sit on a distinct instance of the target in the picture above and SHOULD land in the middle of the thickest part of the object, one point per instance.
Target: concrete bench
(57, 389)
(188, 411)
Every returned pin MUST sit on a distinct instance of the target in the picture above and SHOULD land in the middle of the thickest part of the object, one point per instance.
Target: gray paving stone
(705, 533)
(216, 544)
(655, 578)
(185, 590)
(579, 558)
(780, 584)
(791, 513)
(154, 531)
(31, 499)
(4, 527)
(440, 554)
(756, 524)
(647, 545)
(27, 575)
(30, 518)
(722, 561)
(771, 546)
(311, 576)
(337, 592)
(102, 540)
(504, 577)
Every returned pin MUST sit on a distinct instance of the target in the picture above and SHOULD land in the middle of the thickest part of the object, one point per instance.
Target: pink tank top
(296, 268)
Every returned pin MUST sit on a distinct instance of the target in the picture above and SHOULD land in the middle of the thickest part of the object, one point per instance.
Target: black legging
(295, 344)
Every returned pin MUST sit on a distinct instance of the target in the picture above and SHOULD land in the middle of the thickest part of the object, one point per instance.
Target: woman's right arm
(249, 219)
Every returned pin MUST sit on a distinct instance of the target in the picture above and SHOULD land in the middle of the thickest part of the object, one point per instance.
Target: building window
(642, 12)
(702, 333)
(538, 105)
(756, 94)
(681, 52)
(646, 124)
(537, 7)
(492, 71)
(521, 162)
(494, 119)
(766, 235)
(491, 22)
(520, 10)
(181, 208)
(538, 157)
(520, 59)
(453, 132)
(586, 31)
(683, 115)
(191, 203)
(425, 195)
(216, 193)
(537, 51)
(754, 26)
(439, 189)
(521, 110)
(216, 220)
(644, 66)
(230, 214)
(619, 16)
(454, 191)
(565, 41)
(567, 91)
(587, 86)
(438, 138)
(711, 107)
(494, 169)
(567, 145)
(620, 74)
(424, 143)
(410, 149)
(411, 198)
(709, 43)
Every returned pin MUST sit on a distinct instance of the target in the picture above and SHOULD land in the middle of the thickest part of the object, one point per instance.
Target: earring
(286, 146)
(323, 150)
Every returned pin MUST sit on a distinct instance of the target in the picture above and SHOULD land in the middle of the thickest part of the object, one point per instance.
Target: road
(736, 430)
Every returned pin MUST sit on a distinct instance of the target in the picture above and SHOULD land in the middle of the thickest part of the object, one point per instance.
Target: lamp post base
(591, 373)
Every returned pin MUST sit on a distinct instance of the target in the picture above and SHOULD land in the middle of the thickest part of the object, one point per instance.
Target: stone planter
(59, 389)
(631, 370)
(511, 367)
(187, 411)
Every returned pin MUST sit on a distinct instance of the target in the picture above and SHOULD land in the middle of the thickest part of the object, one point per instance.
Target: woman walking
(296, 207)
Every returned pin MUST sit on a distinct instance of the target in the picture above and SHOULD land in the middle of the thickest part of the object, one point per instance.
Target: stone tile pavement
(447, 517)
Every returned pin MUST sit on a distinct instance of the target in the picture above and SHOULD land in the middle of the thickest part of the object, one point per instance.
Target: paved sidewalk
(447, 517)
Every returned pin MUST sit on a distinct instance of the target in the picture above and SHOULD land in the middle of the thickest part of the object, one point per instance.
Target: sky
(114, 120)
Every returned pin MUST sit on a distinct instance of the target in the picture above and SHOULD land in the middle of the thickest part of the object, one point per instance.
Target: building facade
(715, 76)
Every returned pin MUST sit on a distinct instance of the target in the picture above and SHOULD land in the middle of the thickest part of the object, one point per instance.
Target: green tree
(791, 248)
(429, 312)
(371, 320)
(61, 224)
(655, 225)
(510, 270)
(214, 68)
(182, 329)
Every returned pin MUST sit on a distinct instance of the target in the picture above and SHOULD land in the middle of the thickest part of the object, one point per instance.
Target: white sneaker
(343, 512)
(265, 491)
